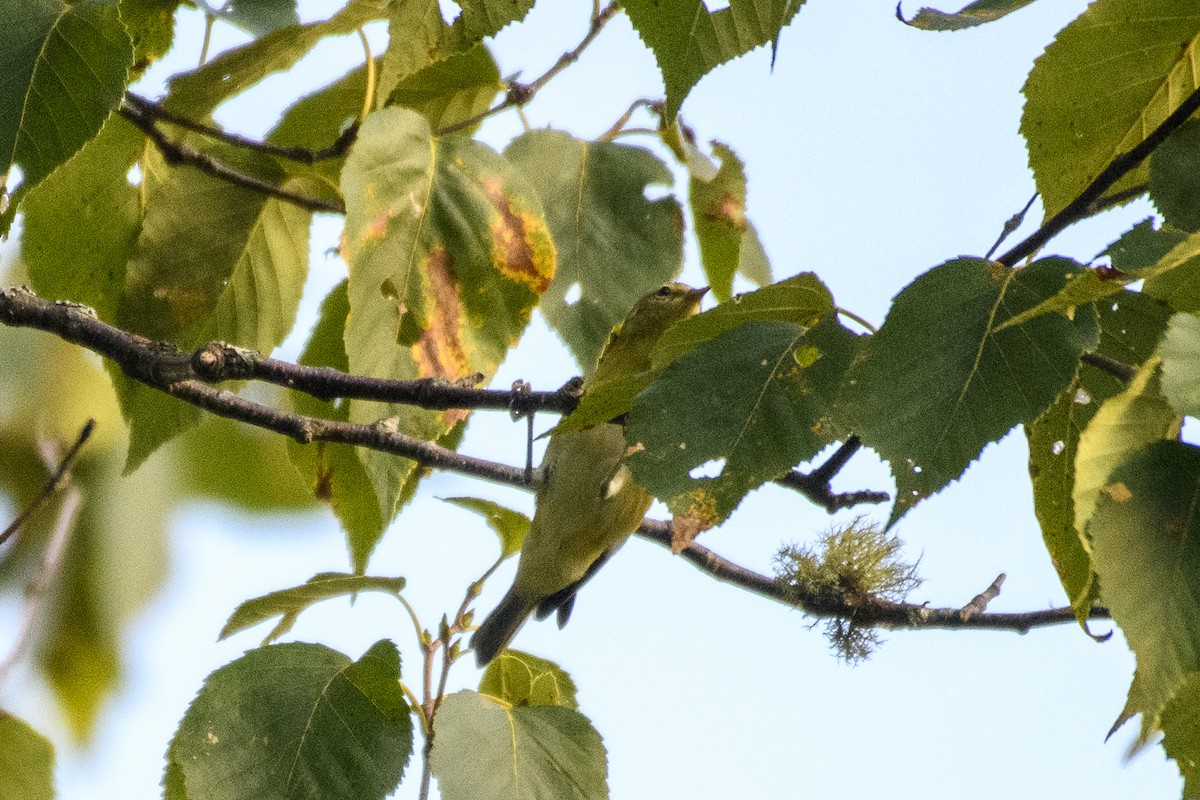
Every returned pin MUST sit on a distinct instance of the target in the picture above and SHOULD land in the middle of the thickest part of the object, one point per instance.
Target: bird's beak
(698, 294)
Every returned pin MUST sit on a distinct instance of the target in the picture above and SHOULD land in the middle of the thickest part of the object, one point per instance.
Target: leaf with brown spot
(448, 252)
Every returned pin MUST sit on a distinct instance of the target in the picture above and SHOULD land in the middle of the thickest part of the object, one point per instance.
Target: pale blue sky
(873, 153)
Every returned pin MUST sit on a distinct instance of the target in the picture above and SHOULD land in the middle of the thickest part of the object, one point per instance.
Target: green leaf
(103, 581)
(214, 261)
(613, 244)
(1142, 246)
(151, 27)
(1175, 279)
(26, 761)
(939, 381)
(239, 464)
(1129, 330)
(452, 91)
(1180, 723)
(1173, 185)
(295, 721)
(1124, 425)
(197, 93)
(1180, 351)
(448, 252)
(1136, 247)
(719, 214)
(802, 300)
(753, 264)
(510, 526)
(64, 67)
(260, 17)
(754, 402)
(977, 13)
(483, 748)
(1108, 80)
(520, 679)
(333, 472)
(1146, 540)
(688, 41)
(289, 603)
(82, 222)
(419, 37)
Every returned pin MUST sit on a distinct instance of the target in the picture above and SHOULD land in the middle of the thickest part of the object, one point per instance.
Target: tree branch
(1092, 197)
(874, 614)
(149, 109)
(169, 370)
(816, 486)
(179, 153)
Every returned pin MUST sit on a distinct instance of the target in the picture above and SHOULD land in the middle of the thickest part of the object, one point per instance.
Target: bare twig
(1011, 225)
(521, 93)
(179, 153)
(816, 487)
(52, 558)
(979, 602)
(1118, 168)
(304, 155)
(56, 482)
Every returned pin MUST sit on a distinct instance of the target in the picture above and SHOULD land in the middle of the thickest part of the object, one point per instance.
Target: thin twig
(521, 93)
(1011, 225)
(56, 482)
(1120, 166)
(816, 487)
(179, 153)
(877, 614)
(979, 602)
(51, 566)
(304, 155)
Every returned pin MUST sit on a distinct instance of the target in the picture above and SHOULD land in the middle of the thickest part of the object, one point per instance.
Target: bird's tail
(501, 626)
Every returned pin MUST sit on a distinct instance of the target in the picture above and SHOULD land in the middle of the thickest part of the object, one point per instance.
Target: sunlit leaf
(1129, 330)
(613, 244)
(689, 41)
(333, 472)
(719, 214)
(64, 67)
(1180, 722)
(510, 526)
(1125, 424)
(419, 37)
(521, 679)
(1180, 351)
(1146, 541)
(452, 91)
(260, 17)
(486, 748)
(214, 261)
(82, 222)
(940, 380)
(287, 604)
(1109, 79)
(197, 93)
(26, 761)
(295, 721)
(151, 26)
(448, 253)
(977, 13)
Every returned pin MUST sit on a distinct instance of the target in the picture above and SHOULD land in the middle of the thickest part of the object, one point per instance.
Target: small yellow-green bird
(587, 503)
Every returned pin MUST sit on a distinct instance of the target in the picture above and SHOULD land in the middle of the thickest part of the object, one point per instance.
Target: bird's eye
(664, 291)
